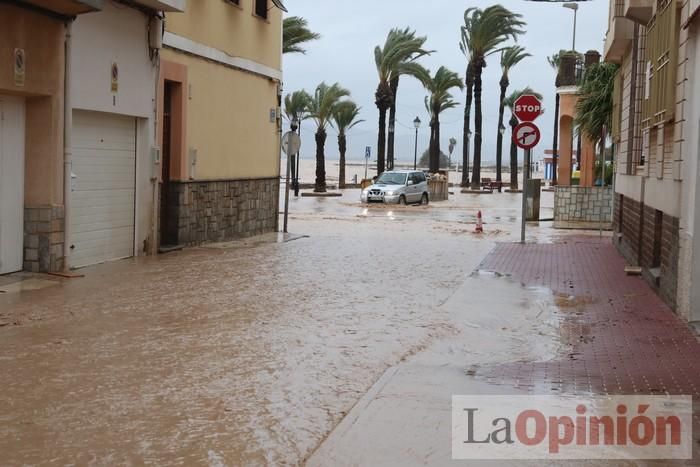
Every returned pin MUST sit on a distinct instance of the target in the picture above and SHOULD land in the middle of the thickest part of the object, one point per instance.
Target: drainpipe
(67, 148)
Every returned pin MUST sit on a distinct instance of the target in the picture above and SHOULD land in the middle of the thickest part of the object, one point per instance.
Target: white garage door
(104, 187)
(11, 183)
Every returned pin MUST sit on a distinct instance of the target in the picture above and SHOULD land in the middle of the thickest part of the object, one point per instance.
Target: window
(261, 8)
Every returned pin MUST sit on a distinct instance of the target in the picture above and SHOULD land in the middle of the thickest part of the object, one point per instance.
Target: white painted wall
(113, 35)
(119, 34)
(689, 267)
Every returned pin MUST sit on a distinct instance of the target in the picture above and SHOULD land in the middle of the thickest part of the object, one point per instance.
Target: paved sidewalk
(597, 331)
(620, 336)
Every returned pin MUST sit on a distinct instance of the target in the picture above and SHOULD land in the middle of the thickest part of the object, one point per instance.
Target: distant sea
(357, 168)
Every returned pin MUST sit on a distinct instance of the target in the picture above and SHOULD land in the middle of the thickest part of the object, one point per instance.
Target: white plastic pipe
(67, 148)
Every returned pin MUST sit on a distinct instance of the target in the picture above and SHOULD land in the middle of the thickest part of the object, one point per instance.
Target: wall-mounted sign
(20, 67)
(115, 77)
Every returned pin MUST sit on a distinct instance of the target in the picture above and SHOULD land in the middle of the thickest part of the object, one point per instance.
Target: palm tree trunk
(437, 143)
(431, 149)
(555, 144)
(392, 124)
(499, 136)
(320, 161)
(342, 147)
(381, 142)
(478, 124)
(383, 101)
(513, 156)
(469, 81)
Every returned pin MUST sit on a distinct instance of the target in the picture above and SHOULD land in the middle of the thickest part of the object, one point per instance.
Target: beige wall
(228, 121)
(42, 39)
(232, 29)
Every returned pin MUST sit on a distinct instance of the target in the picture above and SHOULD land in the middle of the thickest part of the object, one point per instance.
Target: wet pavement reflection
(241, 354)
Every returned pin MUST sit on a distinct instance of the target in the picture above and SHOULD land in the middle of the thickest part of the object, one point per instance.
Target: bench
(489, 185)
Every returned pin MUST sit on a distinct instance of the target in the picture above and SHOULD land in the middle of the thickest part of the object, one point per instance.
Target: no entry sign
(527, 108)
(526, 135)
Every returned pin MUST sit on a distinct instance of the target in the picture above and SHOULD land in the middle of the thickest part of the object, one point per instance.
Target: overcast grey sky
(352, 29)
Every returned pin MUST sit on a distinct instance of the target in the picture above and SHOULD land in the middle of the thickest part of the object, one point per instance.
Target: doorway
(11, 183)
(168, 231)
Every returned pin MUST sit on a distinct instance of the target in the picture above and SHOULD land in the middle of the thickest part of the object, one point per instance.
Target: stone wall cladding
(582, 207)
(44, 232)
(216, 211)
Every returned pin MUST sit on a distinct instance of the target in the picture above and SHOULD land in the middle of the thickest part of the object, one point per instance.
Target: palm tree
(594, 109)
(483, 34)
(509, 102)
(296, 106)
(295, 33)
(397, 57)
(345, 117)
(510, 57)
(321, 109)
(438, 101)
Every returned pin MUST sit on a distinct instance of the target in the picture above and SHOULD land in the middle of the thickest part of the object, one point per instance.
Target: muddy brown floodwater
(241, 354)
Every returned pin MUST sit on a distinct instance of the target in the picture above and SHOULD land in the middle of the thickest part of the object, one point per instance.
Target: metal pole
(298, 161)
(286, 190)
(575, 16)
(415, 153)
(526, 163)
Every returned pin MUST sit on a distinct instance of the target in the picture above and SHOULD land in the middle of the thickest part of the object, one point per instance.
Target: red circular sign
(527, 108)
(526, 135)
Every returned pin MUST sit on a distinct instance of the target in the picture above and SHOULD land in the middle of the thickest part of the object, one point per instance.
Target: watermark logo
(559, 427)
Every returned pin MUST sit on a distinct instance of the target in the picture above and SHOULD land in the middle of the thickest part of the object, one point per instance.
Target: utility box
(534, 194)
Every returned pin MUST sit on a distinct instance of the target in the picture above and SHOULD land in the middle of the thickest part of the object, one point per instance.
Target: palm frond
(324, 102)
(295, 33)
(296, 105)
(512, 56)
(345, 116)
(595, 107)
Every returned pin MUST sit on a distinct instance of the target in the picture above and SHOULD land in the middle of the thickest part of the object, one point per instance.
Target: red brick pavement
(620, 337)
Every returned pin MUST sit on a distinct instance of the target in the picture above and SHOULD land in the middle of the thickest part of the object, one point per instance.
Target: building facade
(219, 121)
(655, 156)
(113, 69)
(689, 265)
(32, 72)
(129, 125)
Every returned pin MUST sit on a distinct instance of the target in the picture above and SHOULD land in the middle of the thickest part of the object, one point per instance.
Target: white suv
(398, 187)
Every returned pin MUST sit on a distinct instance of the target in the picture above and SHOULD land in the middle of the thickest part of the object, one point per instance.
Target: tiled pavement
(620, 338)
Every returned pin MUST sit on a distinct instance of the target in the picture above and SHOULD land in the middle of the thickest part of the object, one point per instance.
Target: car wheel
(402, 200)
(424, 200)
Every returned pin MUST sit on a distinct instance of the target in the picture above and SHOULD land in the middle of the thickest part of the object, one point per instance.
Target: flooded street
(240, 354)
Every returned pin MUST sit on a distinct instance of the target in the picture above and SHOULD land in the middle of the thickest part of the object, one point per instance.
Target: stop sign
(527, 108)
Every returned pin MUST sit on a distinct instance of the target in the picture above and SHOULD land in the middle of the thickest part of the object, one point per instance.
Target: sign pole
(526, 177)
(286, 190)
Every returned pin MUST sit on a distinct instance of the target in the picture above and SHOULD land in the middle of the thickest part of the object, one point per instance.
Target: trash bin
(534, 193)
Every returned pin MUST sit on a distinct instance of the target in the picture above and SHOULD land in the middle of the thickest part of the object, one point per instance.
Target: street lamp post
(416, 125)
(574, 7)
